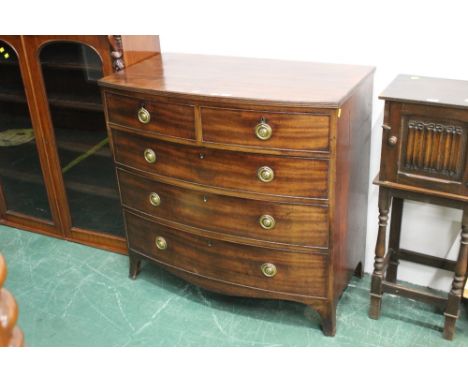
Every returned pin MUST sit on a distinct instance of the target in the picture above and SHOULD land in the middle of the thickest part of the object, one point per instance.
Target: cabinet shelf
(30, 174)
(11, 94)
(71, 56)
(71, 143)
(89, 102)
(72, 65)
(79, 147)
(69, 140)
(92, 189)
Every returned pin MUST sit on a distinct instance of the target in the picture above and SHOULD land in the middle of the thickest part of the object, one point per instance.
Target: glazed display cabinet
(56, 168)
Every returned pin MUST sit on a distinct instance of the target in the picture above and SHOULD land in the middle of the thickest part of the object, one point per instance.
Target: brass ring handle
(161, 243)
(155, 199)
(150, 156)
(265, 174)
(267, 221)
(144, 115)
(263, 131)
(269, 269)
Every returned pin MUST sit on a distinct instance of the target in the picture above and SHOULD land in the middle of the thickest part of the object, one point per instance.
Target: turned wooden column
(459, 279)
(379, 261)
(394, 239)
(10, 334)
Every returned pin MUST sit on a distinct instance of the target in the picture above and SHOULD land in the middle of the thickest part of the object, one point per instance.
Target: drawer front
(296, 177)
(296, 273)
(293, 224)
(292, 131)
(164, 118)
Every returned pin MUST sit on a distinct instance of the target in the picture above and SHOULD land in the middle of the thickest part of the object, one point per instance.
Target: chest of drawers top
(242, 80)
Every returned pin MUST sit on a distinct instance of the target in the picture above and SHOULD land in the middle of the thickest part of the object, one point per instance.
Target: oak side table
(423, 158)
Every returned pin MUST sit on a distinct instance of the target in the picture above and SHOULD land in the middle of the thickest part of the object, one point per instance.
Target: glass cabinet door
(21, 177)
(70, 71)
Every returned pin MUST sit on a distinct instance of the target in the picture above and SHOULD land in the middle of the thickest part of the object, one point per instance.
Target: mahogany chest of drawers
(247, 177)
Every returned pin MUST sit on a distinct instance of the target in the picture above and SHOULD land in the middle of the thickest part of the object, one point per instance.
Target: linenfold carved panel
(434, 148)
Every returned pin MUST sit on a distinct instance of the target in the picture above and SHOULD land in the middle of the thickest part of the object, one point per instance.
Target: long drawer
(265, 174)
(263, 129)
(293, 224)
(273, 270)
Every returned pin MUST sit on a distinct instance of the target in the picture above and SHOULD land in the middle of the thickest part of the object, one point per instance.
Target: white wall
(414, 37)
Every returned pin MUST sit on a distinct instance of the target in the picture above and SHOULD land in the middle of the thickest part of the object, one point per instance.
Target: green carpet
(73, 295)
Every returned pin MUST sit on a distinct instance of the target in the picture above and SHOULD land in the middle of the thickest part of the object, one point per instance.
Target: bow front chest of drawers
(247, 177)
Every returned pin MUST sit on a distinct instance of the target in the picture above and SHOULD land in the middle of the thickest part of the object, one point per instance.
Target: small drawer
(284, 223)
(273, 270)
(265, 174)
(169, 119)
(283, 131)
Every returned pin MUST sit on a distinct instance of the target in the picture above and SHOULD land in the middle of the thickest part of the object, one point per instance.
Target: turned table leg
(377, 275)
(455, 294)
(394, 239)
(135, 264)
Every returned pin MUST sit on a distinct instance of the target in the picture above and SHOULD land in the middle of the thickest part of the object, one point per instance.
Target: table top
(427, 90)
(263, 80)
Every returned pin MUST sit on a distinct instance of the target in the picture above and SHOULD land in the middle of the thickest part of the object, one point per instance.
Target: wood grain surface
(298, 273)
(296, 224)
(224, 169)
(261, 81)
